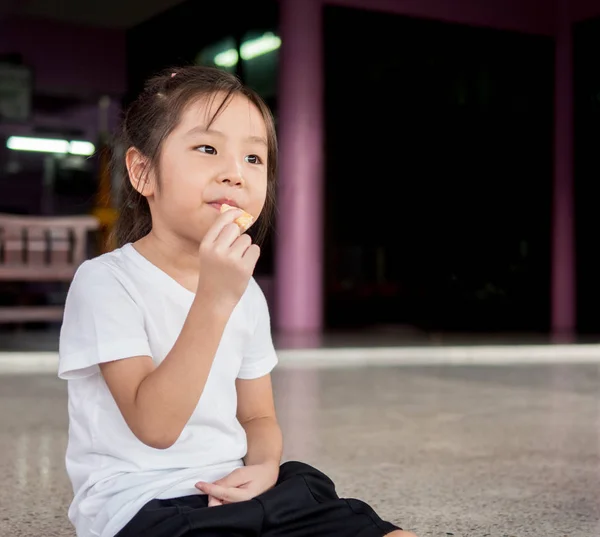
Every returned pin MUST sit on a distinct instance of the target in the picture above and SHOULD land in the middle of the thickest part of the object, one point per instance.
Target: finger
(227, 494)
(241, 245)
(237, 478)
(214, 502)
(251, 256)
(229, 234)
(224, 219)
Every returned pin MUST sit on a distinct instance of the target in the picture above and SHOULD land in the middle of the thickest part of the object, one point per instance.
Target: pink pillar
(299, 237)
(563, 228)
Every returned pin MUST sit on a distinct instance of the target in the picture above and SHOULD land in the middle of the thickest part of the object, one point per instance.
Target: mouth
(217, 203)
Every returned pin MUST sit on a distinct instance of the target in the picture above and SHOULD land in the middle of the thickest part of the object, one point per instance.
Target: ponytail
(135, 220)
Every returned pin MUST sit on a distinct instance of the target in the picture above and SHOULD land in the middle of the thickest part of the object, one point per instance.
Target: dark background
(439, 161)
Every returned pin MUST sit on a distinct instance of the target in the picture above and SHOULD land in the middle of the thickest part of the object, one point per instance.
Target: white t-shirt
(120, 305)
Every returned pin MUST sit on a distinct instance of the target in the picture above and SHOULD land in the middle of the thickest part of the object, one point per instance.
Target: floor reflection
(470, 451)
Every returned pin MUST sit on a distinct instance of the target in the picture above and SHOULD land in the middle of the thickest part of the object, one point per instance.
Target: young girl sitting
(166, 341)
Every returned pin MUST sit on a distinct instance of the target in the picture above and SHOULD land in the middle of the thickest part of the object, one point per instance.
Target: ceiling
(125, 14)
(104, 13)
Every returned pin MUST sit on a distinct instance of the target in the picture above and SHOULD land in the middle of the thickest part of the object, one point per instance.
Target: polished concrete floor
(18, 339)
(442, 450)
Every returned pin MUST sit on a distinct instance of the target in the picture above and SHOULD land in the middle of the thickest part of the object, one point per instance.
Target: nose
(232, 174)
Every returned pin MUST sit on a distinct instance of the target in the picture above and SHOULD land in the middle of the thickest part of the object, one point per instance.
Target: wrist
(271, 466)
(213, 305)
(270, 469)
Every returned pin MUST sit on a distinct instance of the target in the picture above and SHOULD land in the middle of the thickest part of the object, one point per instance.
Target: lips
(224, 201)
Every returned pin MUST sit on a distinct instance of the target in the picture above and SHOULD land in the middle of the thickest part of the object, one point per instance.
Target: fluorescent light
(257, 47)
(50, 145)
(43, 145)
(227, 59)
(252, 48)
(82, 148)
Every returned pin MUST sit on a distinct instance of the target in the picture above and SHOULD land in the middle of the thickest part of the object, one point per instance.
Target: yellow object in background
(104, 209)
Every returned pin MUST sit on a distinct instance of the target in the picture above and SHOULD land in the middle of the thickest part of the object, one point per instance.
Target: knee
(292, 468)
(321, 486)
(400, 533)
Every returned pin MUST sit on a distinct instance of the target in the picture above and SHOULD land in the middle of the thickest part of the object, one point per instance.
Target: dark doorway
(439, 174)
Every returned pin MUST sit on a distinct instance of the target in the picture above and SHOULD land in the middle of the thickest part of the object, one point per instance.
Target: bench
(41, 249)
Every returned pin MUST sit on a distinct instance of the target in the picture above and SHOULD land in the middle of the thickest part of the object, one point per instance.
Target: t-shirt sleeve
(101, 323)
(259, 357)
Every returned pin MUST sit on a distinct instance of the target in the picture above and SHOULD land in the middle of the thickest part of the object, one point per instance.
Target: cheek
(259, 196)
(183, 187)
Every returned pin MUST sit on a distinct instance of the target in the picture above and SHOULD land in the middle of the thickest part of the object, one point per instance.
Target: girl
(166, 341)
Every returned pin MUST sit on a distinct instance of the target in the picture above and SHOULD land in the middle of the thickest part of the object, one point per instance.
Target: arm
(256, 413)
(157, 402)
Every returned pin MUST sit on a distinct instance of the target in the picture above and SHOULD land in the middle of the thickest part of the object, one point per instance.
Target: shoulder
(109, 263)
(255, 298)
(255, 291)
(259, 353)
(254, 304)
(104, 274)
(103, 318)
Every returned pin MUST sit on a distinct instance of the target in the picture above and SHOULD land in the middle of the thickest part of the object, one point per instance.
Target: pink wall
(84, 118)
(72, 61)
(530, 16)
(68, 59)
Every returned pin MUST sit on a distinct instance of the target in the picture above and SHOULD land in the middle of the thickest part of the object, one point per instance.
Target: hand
(241, 485)
(227, 261)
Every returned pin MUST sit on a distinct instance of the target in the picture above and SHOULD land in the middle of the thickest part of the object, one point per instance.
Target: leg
(190, 516)
(304, 503)
(400, 533)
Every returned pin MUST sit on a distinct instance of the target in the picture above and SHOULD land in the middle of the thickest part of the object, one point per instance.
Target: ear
(141, 174)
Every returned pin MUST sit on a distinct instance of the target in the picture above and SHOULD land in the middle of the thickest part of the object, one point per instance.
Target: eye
(208, 149)
(253, 159)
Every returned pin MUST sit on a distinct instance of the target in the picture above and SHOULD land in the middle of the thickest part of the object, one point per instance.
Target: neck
(176, 256)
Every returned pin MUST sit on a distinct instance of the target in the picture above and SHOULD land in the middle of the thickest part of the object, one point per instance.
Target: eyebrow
(203, 130)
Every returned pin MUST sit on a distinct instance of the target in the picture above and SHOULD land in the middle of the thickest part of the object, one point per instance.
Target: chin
(188, 234)
(198, 232)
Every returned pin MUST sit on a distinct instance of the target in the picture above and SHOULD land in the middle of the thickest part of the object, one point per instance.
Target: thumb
(234, 479)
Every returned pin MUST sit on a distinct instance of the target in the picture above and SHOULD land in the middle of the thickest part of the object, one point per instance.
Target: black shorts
(303, 503)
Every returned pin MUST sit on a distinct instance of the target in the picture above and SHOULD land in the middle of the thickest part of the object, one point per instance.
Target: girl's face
(203, 167)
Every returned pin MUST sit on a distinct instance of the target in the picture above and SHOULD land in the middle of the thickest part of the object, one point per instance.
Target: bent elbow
(159, 443)
(157, 440)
